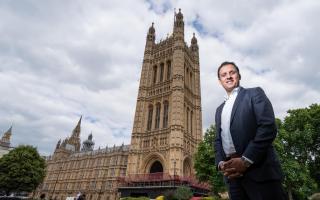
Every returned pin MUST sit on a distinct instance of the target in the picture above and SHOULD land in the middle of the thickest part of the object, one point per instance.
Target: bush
(183, 193)
(135, 198)
(211, 198)
(169, 195)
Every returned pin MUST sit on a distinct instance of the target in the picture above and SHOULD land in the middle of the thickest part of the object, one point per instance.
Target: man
(246, 128)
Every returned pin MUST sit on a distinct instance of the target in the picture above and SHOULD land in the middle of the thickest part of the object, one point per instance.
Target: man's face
(229, 78)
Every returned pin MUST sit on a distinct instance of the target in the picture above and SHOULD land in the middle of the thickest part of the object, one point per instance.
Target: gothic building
(93, 172)
(166, 131)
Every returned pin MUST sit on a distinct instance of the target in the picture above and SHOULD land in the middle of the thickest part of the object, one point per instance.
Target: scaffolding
(160, 182)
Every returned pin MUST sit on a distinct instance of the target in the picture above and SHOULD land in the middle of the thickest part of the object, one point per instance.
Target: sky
(60, 60)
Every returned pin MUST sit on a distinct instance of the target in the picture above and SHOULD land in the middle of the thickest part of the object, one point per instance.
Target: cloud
(60, 60)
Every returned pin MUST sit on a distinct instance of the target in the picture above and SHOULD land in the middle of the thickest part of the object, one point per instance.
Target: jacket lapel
(219, 116)
(236, 103)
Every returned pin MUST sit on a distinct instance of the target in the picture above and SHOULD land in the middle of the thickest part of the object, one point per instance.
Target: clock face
(70, 147)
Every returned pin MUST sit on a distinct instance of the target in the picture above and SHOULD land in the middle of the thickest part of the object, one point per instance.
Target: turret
(178, 28)
(151, 36)
(58, 144)
(88, 144)
(194, 44)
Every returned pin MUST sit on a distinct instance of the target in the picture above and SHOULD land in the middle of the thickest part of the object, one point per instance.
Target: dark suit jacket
(253, 130)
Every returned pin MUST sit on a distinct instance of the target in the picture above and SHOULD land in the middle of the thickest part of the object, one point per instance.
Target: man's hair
(228, 63)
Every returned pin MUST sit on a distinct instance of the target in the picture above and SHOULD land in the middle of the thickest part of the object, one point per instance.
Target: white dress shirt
(226, 137)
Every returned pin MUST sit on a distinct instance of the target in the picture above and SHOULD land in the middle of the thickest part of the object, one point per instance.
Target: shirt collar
(235, 91)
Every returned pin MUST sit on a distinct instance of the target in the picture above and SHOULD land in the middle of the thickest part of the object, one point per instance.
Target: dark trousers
(247, 189)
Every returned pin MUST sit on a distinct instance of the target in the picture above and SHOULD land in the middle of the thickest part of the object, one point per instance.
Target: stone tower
(167, 123)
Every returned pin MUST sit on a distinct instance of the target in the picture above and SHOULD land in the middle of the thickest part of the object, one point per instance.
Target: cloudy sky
(63, 59)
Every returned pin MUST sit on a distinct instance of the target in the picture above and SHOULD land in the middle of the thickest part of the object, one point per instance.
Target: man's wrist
(220, 165)
(247, 163)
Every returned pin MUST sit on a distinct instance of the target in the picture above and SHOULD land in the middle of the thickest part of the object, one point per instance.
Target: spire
(58, 144)
(6, 136)
(77, 129)
(9, 131)
(178, 22)
(194, 43)
(151, 37)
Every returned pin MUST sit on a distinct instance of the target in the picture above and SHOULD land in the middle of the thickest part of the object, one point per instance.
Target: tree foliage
(298, 147)
(205, 162)
(183, 193)
(21, 170)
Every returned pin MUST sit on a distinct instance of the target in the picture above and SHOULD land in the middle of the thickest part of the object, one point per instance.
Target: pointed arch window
(161, 71)
(154, 74)
(165, 114)
(191, 82)
(187, 77)
(158, 109)
(187, 125)
(150, 112)
(168, 70)
(191, 121)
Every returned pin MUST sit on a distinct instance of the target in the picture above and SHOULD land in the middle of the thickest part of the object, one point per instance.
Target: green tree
(205, 162)
(297, 144)
(304, 126)
(21, 170)
(183, 193)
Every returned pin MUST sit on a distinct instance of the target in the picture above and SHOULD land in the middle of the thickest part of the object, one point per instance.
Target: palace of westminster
(166, 131)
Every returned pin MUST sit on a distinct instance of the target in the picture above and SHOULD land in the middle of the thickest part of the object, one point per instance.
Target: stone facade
(167, 124)
(166, 131)
(92, 172)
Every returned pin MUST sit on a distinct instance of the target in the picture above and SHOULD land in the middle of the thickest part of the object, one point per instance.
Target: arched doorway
(156, 167)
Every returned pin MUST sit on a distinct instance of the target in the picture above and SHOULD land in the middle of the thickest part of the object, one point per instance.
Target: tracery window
(187, 125)
(168, 70)
(154, 74)
(165, 114)
(161, 71)
(150, 113)
(157, 122)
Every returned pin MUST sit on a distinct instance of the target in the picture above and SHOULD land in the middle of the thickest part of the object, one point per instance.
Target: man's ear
(239, 76)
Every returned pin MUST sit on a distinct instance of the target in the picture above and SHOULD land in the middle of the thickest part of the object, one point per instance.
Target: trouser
(247, 189)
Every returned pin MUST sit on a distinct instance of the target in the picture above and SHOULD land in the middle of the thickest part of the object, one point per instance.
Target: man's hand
(233, 168)
(232, 173)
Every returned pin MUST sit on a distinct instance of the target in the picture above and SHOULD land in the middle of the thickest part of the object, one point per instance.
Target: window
(161, 71)
(187, 125)
(186, 77)
(191, 81)
(191, 121)
(154, 74)
(165, 114)
(168, 70)
(158, 108)
(150, 113)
